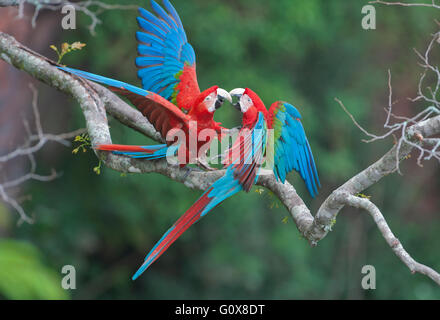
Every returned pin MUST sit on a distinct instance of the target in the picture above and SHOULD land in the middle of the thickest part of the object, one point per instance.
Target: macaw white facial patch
(210, 102)
(245, 103)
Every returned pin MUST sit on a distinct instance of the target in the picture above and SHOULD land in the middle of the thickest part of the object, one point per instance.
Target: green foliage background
(304, 52)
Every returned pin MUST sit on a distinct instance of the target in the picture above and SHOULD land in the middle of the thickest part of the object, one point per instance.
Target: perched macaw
(170, 98)
(291, 151)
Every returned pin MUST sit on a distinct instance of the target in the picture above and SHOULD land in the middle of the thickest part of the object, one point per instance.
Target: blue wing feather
(151, 27)
(148, 38)
(153, 19)
(292, 150)
(163, 14)
(149, 51)
(176, 18)
(162, 35)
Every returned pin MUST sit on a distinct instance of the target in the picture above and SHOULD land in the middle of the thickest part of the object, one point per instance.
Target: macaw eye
(249, 100)
(208, 98)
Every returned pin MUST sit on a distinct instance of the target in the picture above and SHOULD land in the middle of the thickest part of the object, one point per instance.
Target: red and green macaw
(291, 151)
(171, 97)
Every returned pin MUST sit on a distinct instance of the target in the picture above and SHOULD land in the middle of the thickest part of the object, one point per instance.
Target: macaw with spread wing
(291, 151)
(171, 97)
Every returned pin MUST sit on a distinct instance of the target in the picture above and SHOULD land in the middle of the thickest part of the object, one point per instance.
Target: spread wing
(291, 149)
(161, 113)
(166, 61)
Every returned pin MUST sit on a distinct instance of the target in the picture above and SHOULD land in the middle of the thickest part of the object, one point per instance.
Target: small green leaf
(66, 48)
(361, 195)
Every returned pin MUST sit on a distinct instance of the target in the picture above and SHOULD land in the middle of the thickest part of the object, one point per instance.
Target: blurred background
(304, 52)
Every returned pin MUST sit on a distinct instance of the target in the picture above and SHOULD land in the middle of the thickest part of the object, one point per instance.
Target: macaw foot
(188, 171)
(201, 163)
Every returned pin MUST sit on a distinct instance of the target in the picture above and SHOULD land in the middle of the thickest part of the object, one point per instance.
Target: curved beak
(222, 95)
(237, 92)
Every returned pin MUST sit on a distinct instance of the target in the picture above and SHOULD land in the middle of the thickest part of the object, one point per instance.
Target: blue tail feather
(106, 81)
(162, 151)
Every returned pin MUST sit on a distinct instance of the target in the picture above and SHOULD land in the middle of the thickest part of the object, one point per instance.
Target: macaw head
(249, 103)
(212, 99)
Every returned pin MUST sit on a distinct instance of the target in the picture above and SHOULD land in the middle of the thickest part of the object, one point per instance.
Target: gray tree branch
(386, 232)
(33, 144)
(407, 4)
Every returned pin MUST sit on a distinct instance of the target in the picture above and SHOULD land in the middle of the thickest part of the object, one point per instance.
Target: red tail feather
(191, 216)
(123, 148)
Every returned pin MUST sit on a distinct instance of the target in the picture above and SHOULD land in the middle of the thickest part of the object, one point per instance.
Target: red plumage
(123, 148)
(167, 117)
(190, 217)
(188, 88)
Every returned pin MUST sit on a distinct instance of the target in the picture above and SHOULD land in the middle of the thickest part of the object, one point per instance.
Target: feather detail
(121, 147)
(291, 149)
(163, 47)
(180, 226)
(154, 107)
(141, 152)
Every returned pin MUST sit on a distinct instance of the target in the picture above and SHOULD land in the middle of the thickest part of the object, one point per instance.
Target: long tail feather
(145, 152)
(222, 189)
(186, 220)
(106, 81)
(123, 147)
